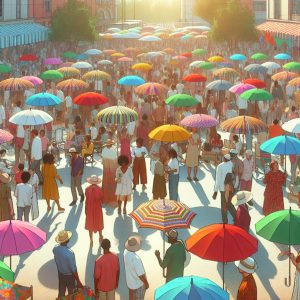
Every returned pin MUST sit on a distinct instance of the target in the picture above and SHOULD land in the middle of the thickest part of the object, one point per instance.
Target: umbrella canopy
(117, 115)
(96, 75)
(151, 88)
(225, 72)
(238, 57)
(256, 82)
(150, 38)
(284, 76)
(190, 287)
(271, 66)
(216, 59)
(105, 62)
(72, 85)
(5, 136)
(125, 59)
(15, 84)
(109, 51)
(117, 54)
(163, 215)
(131, 80)
(292, 66)
(82, 65)
(292, 126)
(195, 78)
(82, 56)
(219, 85)
(282, 145)
(93, 52)
(206, 65)
(52, 75)
(282, 56)
(257, 95)
(90, 99)
(28, 57)
(6, 273)
(259, 56)
(43, 99)
(69, 54)
(195, 64)
(199, 121)
(4, 69)
(294, 82)
(241, 88)
(69, 72)
(34, 80)
(53, 61)
(243, 125)
(169, 133)
(142, 67)
(198, 52)
(181, 100)
(256, 68)
(31, 117)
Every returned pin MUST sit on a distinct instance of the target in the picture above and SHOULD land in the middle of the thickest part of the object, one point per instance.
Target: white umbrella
(104, 62)
(82, 65)
(153, 54)
(292, 126)
(195, 63)
(271, 66)
(129, 35)
(113, 29)
(93, 52)
(150, 38)
(31, 117)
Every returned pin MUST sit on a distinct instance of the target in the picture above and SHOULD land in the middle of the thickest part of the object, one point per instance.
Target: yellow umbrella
(294, 82)
(96, 75)
(69, 72)
(118, 54)
(216, 59)
(72, 85)
(142, 67)
(225, 72)
(169, 133)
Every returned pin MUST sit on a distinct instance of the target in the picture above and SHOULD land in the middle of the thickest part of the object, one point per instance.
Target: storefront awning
(17, 34)
(276, 27)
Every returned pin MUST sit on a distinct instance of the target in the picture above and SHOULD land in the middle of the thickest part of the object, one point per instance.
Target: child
(93, 131)
(34, 181)
(19, 174)
(45, 141)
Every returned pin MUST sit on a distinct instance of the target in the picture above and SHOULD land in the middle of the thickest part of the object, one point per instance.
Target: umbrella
(282, 56)
(256, 82)
(255, 68)
(69, 54)
(285, 75)
(169, 51)
(294, 82)
(256, 95)
(6, 273)
(169, 133)
(72, 85)
(93, 52)
(15, 84)
(199, 121)
(104, 62)
(96, 75)
(43, 99)
(195, 64)
(281, 227)
(34, 80)
(216, 59)
(150, 38)
(53, 61)
(11, 290)
(82, 65)
(219, 85)
(67, 64)
(195, 78)
(225, 72)
(179, 58)
(28, 57)
(52, 75)
(292, 126)
(197, 52)
(190, 287)
(292, 66)
(5, 136)
(271, 66)
(142, 67)
(69, 72)
(222, 243)
(238, 57)
(117, 115)
(187, 54)
(181, 100)
(125, 59)
(259, 56)
(18, 237)
(241, 88)
(206, 65)
(131, 80)
(31, 117)
(90, 99)
(117, 54)
(281, 145)
(109, 51)
(82, 56)
(4, 69)
(151, 88)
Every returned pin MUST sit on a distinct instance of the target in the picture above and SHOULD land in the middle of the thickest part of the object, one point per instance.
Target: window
(1, 9)
(277, 9)
(48, 6)
(259, 6)
(18, 9)
(295, 10)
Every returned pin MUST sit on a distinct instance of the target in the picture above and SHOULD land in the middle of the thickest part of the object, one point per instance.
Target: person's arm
(218, 176)
(143, 278)
(96, 279)
(163, 262)
(293, 260)
(80, 172)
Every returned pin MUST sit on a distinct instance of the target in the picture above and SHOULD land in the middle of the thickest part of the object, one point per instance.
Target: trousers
(65, 282)
(229, 207)
(76, 186)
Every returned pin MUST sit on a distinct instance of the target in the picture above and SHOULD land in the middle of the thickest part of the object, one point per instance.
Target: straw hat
(173, 234)
(63, 236)
(73, 150)
(241, 197)
(133, 244)
(249, 152)
(4, 178)
(247, 265)
(94, 179)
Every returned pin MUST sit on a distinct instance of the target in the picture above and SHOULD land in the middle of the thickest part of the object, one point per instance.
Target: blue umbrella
(190, 287)
(282, 56)
(82, 56)
(131, 81)
(282, 145)
(43, 99)
(255, 68)
(238, 57)
(219, 85)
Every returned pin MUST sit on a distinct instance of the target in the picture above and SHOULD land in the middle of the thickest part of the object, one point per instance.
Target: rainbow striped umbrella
(151, 88)
(5, 136)
(72, 85)
(15, 84)
(96, 75)
(117, 115)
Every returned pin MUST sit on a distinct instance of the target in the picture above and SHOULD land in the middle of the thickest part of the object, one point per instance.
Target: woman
(125, 143)
(87, 147)
(217, 145)
(34, 181)
(143, 131)
(124, 179)
(242, 217)
(159, 189)
(93, 208)
(79, 124)
(173, 171)
(50, 189)
(6, 205)
(273, 194)
(296, 263)
(110, 164)
(192, 154)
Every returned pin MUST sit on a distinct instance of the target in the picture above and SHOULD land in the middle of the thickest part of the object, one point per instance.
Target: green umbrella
(6, 273)
(69, 54)
(206, 65)
(4, 68)
(181, 100)
(259, 56)
(292, 66)
(281, 227)
(51, 75)
(256, 95)
(199, 51)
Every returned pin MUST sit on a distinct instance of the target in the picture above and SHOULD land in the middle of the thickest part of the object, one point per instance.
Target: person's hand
(146, 285)
(157, 253)
(79, 285)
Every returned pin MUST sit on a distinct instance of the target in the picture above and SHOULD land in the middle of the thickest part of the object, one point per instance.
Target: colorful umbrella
(256, 68)
(96, 75)
(195, 64)
(105, 62)
(199, 121)
(117, 54)
(238, 57)
(5, 136)
(6, 273)
(93, 52)
(206, 65)
(53, 61)
(285, 75)
(241, 88)
(82, 56)
(219, 85)
(259, 56)
(28, 57)
(169, 133)
(282, 56)
(256, 95)
(271, 66)
(90, 99)
(150, 38)
(43, 99)
(179, 58)
(52, 75)
(109, 51)
(282, 145)
(294, 82)
(31, 117)
(34, 80)
(125, 59)
(151, 88)
(82, 65)
(198, 52)
(117, 115)
(72, 85)
(15, 84)
(229, 72)
(11, 290)
(292, 66)
(216, 59)
(195, 78)
(190, 287)
(4, 69)
(142, 67)
(292, 126)
(69, 72)
(131, 80)
(69, 54)
(256, 82)
(181, 100)
(67, 64)
(187, 54)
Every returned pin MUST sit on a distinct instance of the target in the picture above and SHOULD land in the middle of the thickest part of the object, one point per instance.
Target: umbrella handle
(287, 281)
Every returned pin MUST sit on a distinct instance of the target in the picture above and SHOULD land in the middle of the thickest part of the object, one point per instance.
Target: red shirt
(275, 130)
(18, 177)
(107, 268)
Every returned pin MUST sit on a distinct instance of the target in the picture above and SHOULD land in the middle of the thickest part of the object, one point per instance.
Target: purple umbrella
(241, 88)
(53, 61)
(5, 136)
(199, 121)
(34, 80)
(18, 237)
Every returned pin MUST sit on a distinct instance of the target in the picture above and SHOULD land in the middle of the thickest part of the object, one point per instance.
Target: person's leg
(119, 206)
(124, 207)
(19, 213)
(48, 204)
(189, 170)
(91, 237)
(38, 170)
(103, 295)
(79, 188)
(111, 295)
(232, 210)
(143, 172)
(223, 208)
(195, 173)
(59, 208)
(62, 285)
(70, 280)
(26, 213)
(135, 171)
(73, 188)
(176, 187)
(100, 236)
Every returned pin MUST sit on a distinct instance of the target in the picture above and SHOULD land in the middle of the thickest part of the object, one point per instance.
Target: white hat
(173, 234)
(94, 179)
(227, 156)
(133, 244)
(241, 197)
(233, 151)
(247, 265)
(73, 150)
(249, 152)
(63, 236)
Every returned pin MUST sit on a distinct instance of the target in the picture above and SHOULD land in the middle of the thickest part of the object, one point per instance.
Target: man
(247, 289)
(106, 273)
(2, 116)
(77, 166)
(66, 264)
(134, 270)
(36, 153)
(248, 168)
(222, 170)
(174, 258)
(275, 129)
(237, 169)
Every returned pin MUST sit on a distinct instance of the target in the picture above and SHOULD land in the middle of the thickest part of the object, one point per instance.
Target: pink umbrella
(179, 57)
(5, 136)
(34, 80)
(53, 61)
(66, 64)
(199, 121)
(241, 88)
(18, 237)
(125, 59)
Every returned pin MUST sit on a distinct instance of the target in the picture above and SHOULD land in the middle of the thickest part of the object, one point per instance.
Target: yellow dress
(87, 150)
(50, 189)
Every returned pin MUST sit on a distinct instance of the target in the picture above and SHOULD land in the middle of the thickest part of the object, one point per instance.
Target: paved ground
(39, 269)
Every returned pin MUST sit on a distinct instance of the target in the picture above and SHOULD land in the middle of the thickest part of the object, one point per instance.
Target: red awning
(288, 28)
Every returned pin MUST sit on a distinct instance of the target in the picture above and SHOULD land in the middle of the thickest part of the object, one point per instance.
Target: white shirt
(186, 114)
(174, 165)
(133, 269)
(222, 170)
(16, 109)
(109, 153)
(138, 152)
(172, 93)
(130, 128)
(2, 114)
(24, 193)
(241, 103)
(69, 102)
(60, 95)
(36, 149)
(20, 131)
(94, 132)
(179, 87)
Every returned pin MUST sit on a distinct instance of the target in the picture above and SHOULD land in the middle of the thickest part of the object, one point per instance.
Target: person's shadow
(90, 263)
(48, 276)
(200, 193)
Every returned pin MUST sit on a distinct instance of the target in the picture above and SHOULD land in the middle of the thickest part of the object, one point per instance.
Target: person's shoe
(189, 178)
(144, 187)
(73, 203)
(250, 203)
(81, 198)
(124, 211)
(61, 209)
(196, 179)
(134, 187)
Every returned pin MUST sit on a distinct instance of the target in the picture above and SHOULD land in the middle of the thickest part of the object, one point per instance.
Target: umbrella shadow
(200, 193)
(90, 263)
(48, 276)
(206, 215)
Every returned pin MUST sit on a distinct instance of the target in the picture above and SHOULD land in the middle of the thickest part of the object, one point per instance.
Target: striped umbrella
(284, 75)
(72, 85)
(69, 72)
(199, 121)
(96, 75)
(117, 115)
(15, 84)
(223, 72)
(5, 136)
(151, 88)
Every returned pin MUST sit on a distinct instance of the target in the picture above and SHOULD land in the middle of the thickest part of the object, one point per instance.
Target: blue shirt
(65, 260)
(77, 165)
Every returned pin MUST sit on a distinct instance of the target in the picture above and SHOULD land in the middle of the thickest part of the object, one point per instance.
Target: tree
(73, 23)
(208, 9)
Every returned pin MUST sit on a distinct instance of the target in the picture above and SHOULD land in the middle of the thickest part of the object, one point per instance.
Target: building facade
(11, 10)
(287, 10)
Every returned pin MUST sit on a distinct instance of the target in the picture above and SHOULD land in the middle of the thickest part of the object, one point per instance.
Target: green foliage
(208, 9)
(73, 23)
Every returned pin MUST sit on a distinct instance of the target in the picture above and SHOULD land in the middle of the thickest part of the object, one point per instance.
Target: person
(19, 142)
(93, 208)
(139, 164)
(217, 145)
(77, 166)
(66, 265)
(192, 154)
(275, 129)
(110, 165)
(277, 93)
(159, 189)
(237, 169)
(45, 142)
(143, 130)
(19, 173)
(125, 143)
(93, 131)
(88, 146)
(237, 144)
(2, 115)
(106, 273)
(50, 189)
(174, 258)
(273, 194)
(36, 153)
(34, 181)
(24, 194)
(248, 168)
(242, 217)
(134, 270)
(247, 289)
(5, 166)
(296, 262)
(124, 179)
(173, 172)
(6, 204)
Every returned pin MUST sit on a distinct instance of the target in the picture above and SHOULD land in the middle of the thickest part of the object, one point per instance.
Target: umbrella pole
(287, 281)
(10, 261)
(223, 274)
(164, 250)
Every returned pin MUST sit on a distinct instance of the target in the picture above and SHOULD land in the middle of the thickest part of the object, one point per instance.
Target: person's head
(42, 132)
(275, 83)
(77, 119)
(2, 152)
(248, 154)
(227, 157)
(233, 153)
(48, 158)
(139, 142)
(274, 166)
(275, 122)
(172, 236)
(87, 138)
(123, 160)
(73, 152)
(25, 176)
(293, 108)
(63, 237)
(194, 130)
(34, 133)
(235, 138)
(93, 124)
(246, 266)
(105, 245)
(173, 87)
(102, 129)
(172, 153)
(18, 104)
(144, 117)
(21, 167)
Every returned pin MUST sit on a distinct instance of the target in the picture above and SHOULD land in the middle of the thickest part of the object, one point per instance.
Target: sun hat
(247, 265)
(249, 152)
(73, 150)
(173, 234)
(241, 197)
(94, 179)
(133, 244)
(233, 152)
(227, 156)
(63, 236)
(4, 178)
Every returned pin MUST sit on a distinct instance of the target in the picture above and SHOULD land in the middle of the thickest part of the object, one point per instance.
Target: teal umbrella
(181, 100)
(292, 66)
(6, 273)
(256, 95)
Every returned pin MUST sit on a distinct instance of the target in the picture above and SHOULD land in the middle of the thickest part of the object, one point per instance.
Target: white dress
(124, 183)
(34, 181)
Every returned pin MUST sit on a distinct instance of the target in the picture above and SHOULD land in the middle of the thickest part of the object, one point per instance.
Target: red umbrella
(195, 78)
(187, 54)
(28, 57)
(90, 99)
(256, 82)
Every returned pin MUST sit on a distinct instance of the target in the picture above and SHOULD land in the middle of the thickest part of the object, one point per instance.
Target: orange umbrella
(125, 59)
(284, 75)
(151, 88)
(72, 85)
(169, 51)
(294, 82)
(169, 133)
(15, 84)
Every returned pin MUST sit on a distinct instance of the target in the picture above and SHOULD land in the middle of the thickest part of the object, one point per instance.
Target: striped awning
(16, 34)
(276, 27)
